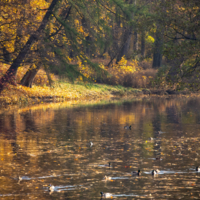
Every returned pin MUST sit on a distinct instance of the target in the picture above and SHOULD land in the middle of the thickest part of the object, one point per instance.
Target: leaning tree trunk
(12, 71)
(28, 78)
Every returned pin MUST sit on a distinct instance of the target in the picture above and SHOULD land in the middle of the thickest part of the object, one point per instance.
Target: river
(70, 149)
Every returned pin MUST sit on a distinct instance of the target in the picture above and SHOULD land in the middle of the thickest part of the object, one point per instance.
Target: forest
(131, 43)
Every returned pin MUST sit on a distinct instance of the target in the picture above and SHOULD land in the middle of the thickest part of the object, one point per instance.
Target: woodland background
(133, 43)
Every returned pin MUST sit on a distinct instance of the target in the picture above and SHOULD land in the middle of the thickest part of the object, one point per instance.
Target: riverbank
(62, 91)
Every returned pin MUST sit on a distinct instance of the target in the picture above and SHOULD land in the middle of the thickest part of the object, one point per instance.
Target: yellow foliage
(150, 39)
(31, 11)
(117, 71)
(125, 73)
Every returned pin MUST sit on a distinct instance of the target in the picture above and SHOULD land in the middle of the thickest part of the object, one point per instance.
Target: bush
(140, 79)
(145, 64)
(126, 73)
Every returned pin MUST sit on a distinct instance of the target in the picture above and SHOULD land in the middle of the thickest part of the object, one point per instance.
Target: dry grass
(140, 79)
(145, 64)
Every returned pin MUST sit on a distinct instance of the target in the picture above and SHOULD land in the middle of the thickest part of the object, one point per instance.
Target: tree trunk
(125, 44)
(12, 71)
(28, 78)
(126, 39)
(157, 55)
(88, 51)
(159, 40)
(143, 44)
(6, 55)
(135, 42)
(48, 75)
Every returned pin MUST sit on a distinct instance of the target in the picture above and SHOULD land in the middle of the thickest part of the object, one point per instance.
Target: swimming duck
(197, 168)
(51, 188)
(158, 158)
(151, 138)
(91, 144)
(20, 179)
(106, 195)
(160, 132)
(107, 178)
(155, 171)
(109, 165)
(17, 179)
(136, 173)
(127, 127)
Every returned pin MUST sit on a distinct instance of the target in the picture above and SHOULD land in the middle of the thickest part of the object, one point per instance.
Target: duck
(51, 188)
(127, 127)
(197, 168)
(106, 195)
(136, 173)
(19, 179)
(155, 171)
(108, 165)
(91, 144)
(160, 132)
(107, 178)
(151, 138)
(158, 158)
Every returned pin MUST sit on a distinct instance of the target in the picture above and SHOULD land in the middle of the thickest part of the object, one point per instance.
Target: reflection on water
(65, 153)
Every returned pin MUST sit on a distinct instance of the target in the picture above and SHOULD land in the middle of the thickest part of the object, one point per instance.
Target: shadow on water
(76, 153)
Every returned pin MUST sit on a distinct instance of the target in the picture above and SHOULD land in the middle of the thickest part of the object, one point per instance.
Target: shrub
(140, 79)
(126, 73)
(145, 64)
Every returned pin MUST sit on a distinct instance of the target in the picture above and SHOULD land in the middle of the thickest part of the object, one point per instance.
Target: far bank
(63, 91)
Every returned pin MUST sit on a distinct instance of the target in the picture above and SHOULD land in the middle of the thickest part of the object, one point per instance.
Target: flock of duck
(154, 172)
(134, 173)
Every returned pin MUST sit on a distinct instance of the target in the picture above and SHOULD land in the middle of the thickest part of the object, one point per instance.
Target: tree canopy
(52, 33)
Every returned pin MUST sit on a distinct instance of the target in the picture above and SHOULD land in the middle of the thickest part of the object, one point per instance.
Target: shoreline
(23, 96)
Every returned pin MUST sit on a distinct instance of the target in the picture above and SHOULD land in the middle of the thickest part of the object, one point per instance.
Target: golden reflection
(51, 144)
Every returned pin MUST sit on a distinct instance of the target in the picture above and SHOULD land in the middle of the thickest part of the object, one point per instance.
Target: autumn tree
(183, 41)
(129, 23)
(159, 35)
(35, 32)
(60, 34)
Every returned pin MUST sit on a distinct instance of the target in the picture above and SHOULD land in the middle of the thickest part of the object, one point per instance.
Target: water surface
(52, 145)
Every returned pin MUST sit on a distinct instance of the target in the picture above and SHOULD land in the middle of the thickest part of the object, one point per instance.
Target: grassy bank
(122, 82)
(62, 91)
